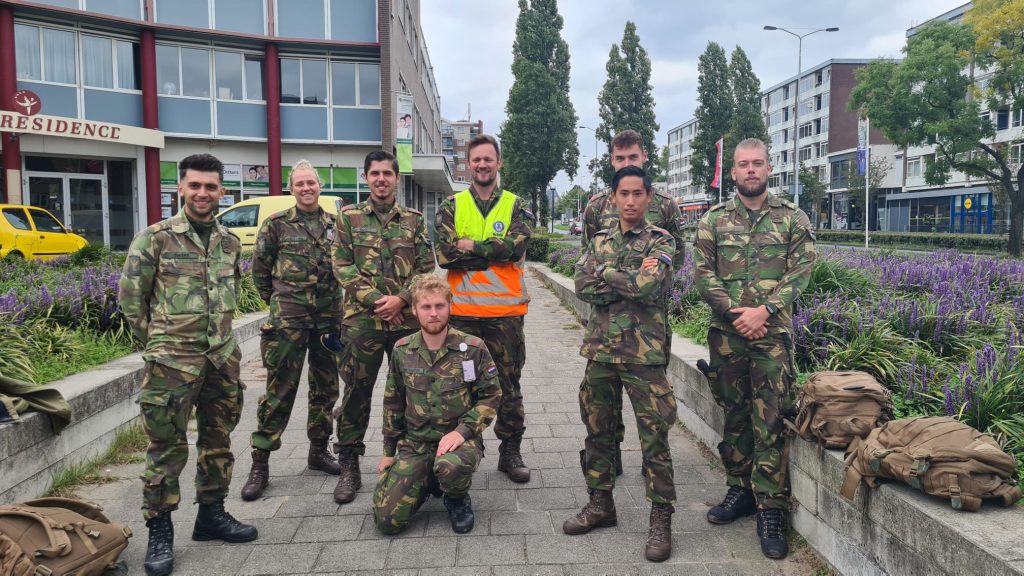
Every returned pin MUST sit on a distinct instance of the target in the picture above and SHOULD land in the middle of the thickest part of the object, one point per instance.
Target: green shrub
(90, 254)
(14, 360)
(52, 341)
(249, 299)
(931, 240)
(831, 276)
(537, 248)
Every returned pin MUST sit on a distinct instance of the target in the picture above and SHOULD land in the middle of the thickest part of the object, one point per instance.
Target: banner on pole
(862, 146)
(717, 182)
(403, 133)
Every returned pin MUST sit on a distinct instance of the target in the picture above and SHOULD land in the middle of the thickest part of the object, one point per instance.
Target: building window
(1002, 120)
(247, 16)
(805, 153)
(1017, 117)
(124, 8)
(806, 130)
(183, 71)
(302, 19)
(45, 54)
(192, 13)
(841, 174)
(239, 76)
(355, 84)
(109, 63)
(1017, 153)
(303, 81)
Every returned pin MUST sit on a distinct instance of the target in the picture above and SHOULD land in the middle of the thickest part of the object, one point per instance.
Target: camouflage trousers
(620, 426)
(655, 407)
(364, 353)
(506, 342)
(404, 486)
(166, 402)
(753, 382)
(284, 349)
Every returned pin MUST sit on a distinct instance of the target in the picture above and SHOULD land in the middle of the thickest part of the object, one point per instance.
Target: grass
(123, 450)
(85, 349)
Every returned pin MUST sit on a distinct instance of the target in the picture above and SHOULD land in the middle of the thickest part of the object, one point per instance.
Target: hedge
(923, 239)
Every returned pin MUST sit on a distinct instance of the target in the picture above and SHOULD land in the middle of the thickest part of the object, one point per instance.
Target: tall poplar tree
(747, 120)
(538, 135)
(626, 103)
(714, 116)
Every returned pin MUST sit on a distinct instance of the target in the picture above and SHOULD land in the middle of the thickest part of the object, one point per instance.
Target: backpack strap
(1008, 493)
(60, 544)
(959, 499)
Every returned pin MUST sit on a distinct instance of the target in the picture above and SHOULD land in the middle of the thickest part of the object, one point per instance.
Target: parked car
(246, 217)
(575, 228)
(33, 233)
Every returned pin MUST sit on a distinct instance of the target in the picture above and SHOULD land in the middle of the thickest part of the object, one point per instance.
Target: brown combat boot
(349, 480)
(510, 461)
(598, 513)
(659, 536)
(321, 459)
(259, 476)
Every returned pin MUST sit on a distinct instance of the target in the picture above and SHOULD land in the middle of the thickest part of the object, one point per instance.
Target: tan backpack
(835, 407)
(938, 455)
(61, 536)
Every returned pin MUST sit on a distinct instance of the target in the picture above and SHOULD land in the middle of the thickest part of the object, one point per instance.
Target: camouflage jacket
(663, 212)
(742, 263)
(180, 297)
(628, 322)
(429, 394)
(291, 267)
(511, 248)
(373, 259)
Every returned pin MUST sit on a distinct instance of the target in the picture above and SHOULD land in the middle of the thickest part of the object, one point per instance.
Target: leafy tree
(626, 103)
(662, 172)
(573, 201)
(538, 136)
(714, 115)
(930, 98)
(814, 191)
(747, 120)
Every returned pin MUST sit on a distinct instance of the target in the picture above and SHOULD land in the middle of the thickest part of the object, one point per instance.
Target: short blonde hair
(430, 283)
(304, 164)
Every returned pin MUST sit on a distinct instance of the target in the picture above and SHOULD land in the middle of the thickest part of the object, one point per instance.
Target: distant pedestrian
(752, 257)
(625, 274)
(292, 270)
(482, 235)
(627, 149)
(179, 293)
(442, 393)
(379, 247)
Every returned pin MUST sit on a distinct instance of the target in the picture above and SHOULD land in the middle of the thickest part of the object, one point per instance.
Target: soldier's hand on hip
(385, 463)
(449, 442)
(750, 320)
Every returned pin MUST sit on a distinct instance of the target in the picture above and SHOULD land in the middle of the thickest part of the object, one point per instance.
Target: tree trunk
(1016, 229)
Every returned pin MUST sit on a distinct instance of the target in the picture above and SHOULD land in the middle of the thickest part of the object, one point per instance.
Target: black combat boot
(598, 513)
(460, 513)
(214, 523)
(320, 458)
(160, 552)
(510, 460)
(349, 479)
(659, 536)
(738, 502)
(771, 528)
(259, 475)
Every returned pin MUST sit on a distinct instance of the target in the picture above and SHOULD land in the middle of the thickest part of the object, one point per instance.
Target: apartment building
(456, 136)
(690, 197)
(100, 99)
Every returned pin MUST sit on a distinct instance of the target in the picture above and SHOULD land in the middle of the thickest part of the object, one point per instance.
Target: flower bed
(941, 330)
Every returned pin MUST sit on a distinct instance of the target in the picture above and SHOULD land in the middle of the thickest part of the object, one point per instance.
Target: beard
(435, 329)
(752, 192)
(484, 181)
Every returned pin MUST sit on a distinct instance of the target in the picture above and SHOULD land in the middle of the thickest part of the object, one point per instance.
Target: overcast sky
(470, 45)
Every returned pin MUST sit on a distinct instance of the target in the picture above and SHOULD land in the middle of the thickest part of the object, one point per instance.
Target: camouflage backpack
(836, 407)
(59, 536)
(938, 455)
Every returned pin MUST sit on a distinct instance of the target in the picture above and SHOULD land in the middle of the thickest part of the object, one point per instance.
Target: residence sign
(25, 119)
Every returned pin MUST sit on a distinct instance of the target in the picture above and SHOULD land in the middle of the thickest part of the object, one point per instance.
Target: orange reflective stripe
(495, 292)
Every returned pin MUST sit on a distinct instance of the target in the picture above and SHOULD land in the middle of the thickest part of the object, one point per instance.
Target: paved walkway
(518, 527)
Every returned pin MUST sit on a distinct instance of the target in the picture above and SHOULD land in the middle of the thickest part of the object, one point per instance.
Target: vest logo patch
(499, 226)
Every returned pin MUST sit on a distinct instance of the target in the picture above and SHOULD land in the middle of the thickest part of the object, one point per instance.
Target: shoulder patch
(404, 341)
(473, 341)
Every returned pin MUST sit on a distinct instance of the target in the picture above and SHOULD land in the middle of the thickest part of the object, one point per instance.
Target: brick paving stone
(518, 526)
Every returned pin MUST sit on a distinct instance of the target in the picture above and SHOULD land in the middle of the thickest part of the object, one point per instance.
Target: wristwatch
(600, 268)
(772, 310)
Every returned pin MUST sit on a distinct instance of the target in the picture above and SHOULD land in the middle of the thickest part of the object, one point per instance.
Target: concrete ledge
(102, 402)
(892, 530)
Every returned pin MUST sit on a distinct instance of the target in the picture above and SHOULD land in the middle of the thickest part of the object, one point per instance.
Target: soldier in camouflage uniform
(291, 268)
(179, 292)
(624, 275)
(663, 212)
(442, 393)
(379, 247)
(483, 245)
(752, 258)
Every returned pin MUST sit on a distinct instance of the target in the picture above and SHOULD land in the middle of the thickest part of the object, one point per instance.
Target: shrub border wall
(931, 240)
(102, 402)
(892, 530)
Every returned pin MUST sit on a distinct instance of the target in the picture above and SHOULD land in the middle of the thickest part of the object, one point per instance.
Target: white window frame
(115, 68)
(245, 80)
(913, 172)
(358, 85)
(211, 80)
(327, 22)
(302, 79)
(42, 55)
(84, 5)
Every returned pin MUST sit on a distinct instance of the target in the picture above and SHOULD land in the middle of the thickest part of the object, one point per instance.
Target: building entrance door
(79, 200)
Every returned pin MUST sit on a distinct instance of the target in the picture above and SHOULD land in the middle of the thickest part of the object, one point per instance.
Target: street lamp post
(594, 130)
(796, 100)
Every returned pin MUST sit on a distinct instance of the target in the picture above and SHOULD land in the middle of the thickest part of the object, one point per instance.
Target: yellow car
(246, 217)
(33, 233)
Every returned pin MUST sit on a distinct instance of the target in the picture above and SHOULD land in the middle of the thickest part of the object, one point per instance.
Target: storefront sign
(968, 203)
(232, 175)
(403, 133)
(255, 176)
(74, 128)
